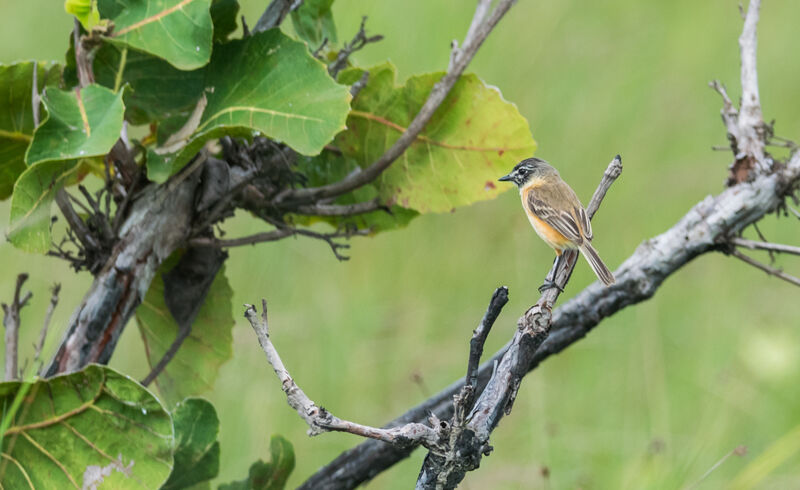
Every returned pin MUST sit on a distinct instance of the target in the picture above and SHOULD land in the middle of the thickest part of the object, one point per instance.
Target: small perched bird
(556, 213)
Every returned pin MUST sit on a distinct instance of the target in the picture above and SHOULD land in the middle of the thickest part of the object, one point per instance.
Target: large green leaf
(268, 476)
(313, 22)
(16, 116)
(194, 368)
(80, 124)
(473, 138)
(330, 167)
(83, 429)
(180, 31)
(268, 84)
(157, 89)
(197, 449)
(34, 191)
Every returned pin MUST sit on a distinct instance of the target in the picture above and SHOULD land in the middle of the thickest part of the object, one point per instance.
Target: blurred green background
(656, 394)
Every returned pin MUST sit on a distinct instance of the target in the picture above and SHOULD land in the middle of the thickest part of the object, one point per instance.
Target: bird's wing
(573, 225)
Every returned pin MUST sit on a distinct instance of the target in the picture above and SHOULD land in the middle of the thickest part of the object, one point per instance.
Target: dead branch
(764, 267)
(340, 209)
(482, 24)
(276, 12)
(320, 420)
(747, 132)
(43, 333)
(358, 42)
(774, 247)
(11, 323)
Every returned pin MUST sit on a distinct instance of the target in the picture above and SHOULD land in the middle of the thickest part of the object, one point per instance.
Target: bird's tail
(599, 268)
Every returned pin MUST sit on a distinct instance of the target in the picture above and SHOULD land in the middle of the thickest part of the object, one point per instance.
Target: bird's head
(528, 169)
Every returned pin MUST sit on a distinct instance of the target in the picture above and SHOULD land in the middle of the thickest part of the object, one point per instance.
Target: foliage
(82, 429)
(196, 446)
(171, 79)
(268, 476)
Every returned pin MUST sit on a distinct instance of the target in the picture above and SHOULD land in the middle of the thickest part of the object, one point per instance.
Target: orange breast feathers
(550, 235)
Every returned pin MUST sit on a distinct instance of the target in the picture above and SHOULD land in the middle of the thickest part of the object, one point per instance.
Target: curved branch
(460, 58)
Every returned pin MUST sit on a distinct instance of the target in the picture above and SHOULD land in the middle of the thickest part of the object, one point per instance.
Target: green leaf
(16, 116)
(80, 124)
(268, 476)
(268, 84)
(34, 191)
(157, 89)
(197, 450)
(223, 16)
(331, 167)
(195, 366)
(83, 429)
(179, 31)
(473, 138)
(85, 11)
(313, 22)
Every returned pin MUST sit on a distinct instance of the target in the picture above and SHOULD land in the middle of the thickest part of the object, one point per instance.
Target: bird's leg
(549, 281)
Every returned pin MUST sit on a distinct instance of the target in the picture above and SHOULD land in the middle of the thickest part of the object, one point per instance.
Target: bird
(556, 213)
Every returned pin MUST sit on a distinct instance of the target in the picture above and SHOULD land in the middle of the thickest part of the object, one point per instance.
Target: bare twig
(747, 131)
(358, 42)
(479, 336)
(282, 232)
(43, 334)
(764, 267)
(35, 97)
(737, 451)
(183, 332)
(318, 419)
(275, 13)
(269, 236)
(339, 209)
(11, 323)
(75, 222)
(460, 58)
(360, 84)
(763, 239)
(83, 62)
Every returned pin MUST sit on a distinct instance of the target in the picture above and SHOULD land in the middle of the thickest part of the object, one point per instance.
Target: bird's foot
(549, 284)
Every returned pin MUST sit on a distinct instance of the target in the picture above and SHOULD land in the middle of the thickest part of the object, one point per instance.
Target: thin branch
(460, 58)
(11, 323)
(43, 334)
(75, 222)
(764, 267)
(275, 13)
(280, 233)
(737, 451)
(750, 113)
(358, 42)
(35, 97)
(183, 333)
(82, 61)
(339, 209)
(318, 419)
(480, 334)
(269, 236)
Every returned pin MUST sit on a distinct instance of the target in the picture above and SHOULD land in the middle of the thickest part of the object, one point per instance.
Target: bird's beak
(506, 178)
